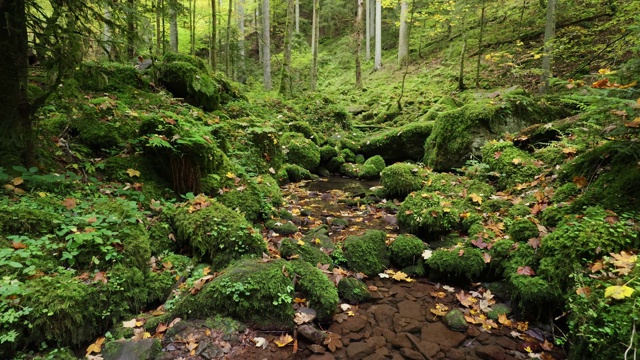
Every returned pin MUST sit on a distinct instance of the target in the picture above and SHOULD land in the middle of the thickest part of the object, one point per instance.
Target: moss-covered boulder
(367, 253)
(429, 213)
(306, 130)
(292, 173)
(457, 263)
(369, 169)
(187, 77)
(455, 320)
(406, 250)
(353, 291)
(316, 287)
(216, 233)
(290, 248)
(400, 179)
(301, 151)
(522, 229)
(108, 77)
(514, 165)
(398, 144)
(255, 292)
(265, 153)
(282, 227)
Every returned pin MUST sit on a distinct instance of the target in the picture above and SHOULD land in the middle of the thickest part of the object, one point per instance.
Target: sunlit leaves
(618, 292)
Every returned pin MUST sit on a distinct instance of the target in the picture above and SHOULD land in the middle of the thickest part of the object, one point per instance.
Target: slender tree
(266, 45)
(173, 25)
(463, 52)
(192, 26)
(403, 38)
(368, 30)
(297, 16)
(378, 54)
(158, 8)
(106, 30)
(241, 53)
(227, 62)
(480, 43)
(358, 45)
(131, 29)
(212, 41)
(285, 74)
(549, 34)
(314, 43)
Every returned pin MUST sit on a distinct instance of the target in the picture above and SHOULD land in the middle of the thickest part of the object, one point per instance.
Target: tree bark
(358, 45)
(403, 38)
(368, 30)
(193, 28)
(285, 75)
(461, 85)
(378, 54)
(227, 69)
(549, 34)
(131, 29)
(314, 44)
(173, 25)
(297, 16)
(212, 41)
(16, 125)
(106, 31)
(241, 54)
(158, 30)
(266, 45)
(480, 45)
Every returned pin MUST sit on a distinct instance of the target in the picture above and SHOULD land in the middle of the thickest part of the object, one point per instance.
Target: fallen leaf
(427, 254)
(333, 341)
(133, 173)
(439, 294)
(17, 181)
(580, 181)
(283, 340)
(448, 288)
(502, 319)
(486, 257)
(525, 270)
(230, 175)
(129, 324)
(618, 292)
(440, 309)
(260, 342)
(69, 203)
(476, 198)
(400, 276)
(584, 291)
(96, 347)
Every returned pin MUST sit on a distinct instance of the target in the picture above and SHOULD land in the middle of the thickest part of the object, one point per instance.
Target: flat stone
(384, 315)
(355, 336)
(354, 324)
(506, 343)
(398, 291)
(473, 331)
(411, 354)
(317, 349)
(400, 340)
(426, 348)
(388, 334)
(491, 352)
(145, 349)
(325, 356)
(406, 324)
(410, 309)
(359, 350)
(439, 333)
(455, 354)
(377, 341)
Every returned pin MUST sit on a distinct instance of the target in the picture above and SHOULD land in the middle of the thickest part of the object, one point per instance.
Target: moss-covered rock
(514, 165)
(497, 310)
(353, 291)
(255, 292)
(292, 173)
(522, 229)
(216, 233)
(367, 253)
(400, 179)
(265, 150)
(428, 213)
(398, 144)
(108, 77)
(144, 349)
(301, 151)
(406, 250)
(327, 152)
(304, 251)
(316, 287)
(565, 192)
(306, 130)
(457, 263)
(282, 227)
(455, 320)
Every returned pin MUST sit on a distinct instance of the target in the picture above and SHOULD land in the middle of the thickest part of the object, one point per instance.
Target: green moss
(400, 179)
(519, 211)
(449, 263)
(551, 155)
(534, 295)
(115, 168)
(348, 155)
(316, 287)
(398, 144)
(360, 159)
(255, 292)
(565, 192)
(428, 213)
(104, 124)
(292, 173)
(514, 165)
(496, 205)
(28, 217)
(108, 77)
(301, 151)
(265, 150)
(373, 166)
(335, 163)
(306, 130)
(367, 253)
(522, 229)
(282, 227)
(554, 214)
(216, 233)
(406, 250)
(327, 152)
(353, 291)
(306, 252)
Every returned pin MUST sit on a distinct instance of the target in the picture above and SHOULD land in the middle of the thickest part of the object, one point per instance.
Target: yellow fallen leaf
(476, 198)
(502, 319)
(300, 242)
(17, 181)
(96, 347)
(400, 276)
(517, 161)
(440, 309)
(618, 292)
(129, 324)
(283, 340)
(230, 175)
(133, 173)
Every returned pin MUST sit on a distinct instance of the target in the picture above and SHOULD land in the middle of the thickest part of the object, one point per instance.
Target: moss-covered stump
(514, 165)
(398, 144)
(216, 233)
(255, 292)
(400, 179)
(406, 250)
(187, 77)
(367, 253)
(109, 77)
(301, 151)
(456, 263)
(290, 248)
(353, 291)
(316, 287)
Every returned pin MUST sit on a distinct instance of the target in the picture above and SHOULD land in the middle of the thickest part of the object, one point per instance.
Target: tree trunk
(480, 45)
(358, 45)
(266, 45)
(106, 31)
(241, 67)
(549, 34)
(403, 39)
(158, 30)
(314, 43)
(297, 16)
(212, 43)
(131, 29)
(378, 55)
(257, 26)
(285, 75)
(461, 85)
(368, 31)
(16, 123)
(193, 28)
(227, 69)
(173, 25)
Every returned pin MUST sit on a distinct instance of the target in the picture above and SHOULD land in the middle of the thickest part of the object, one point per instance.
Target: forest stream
(404, 318)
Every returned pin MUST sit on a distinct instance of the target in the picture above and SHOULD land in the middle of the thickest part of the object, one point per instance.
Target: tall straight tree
(403, 38)
(463, 52)
(173, 25)
(131, 29)
(241, 65)
(368, 30)
(106, 30)
(192, 26)
(358, 45)
(285, 75)
(315, 27)
(378, 54)
(266, 45)
(297, 16)
(227, 59)
(480, 44)
(158, 7)
(549, 34)
(212, 41)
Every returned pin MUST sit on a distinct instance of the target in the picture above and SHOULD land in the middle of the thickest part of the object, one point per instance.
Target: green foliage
(428, 212)
(306, 130)
(216, 233)
(398, 144)
(367, 253)
(258, 293)
(301, 151)
(514, 165)
(304, 251)
(316, 287)
(400, 179)
(353, 291)
(449, 263)
(565, 192)
(554, 214)
(406, 250)
(522, 229)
